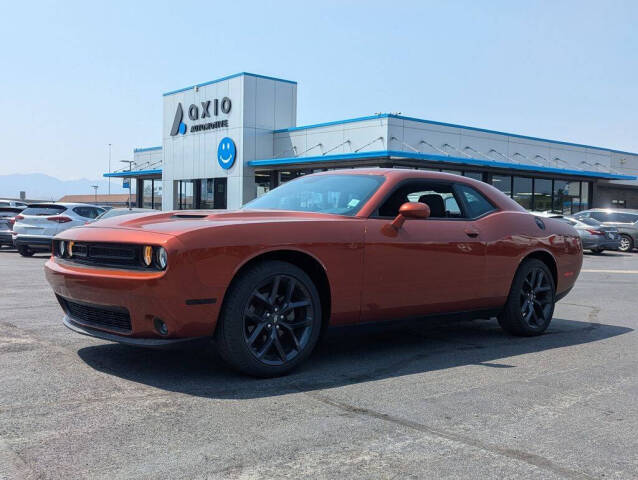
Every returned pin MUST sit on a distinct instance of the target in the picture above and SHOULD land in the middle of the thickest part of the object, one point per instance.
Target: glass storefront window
(262, 180)
(185, 195)
(157, 194)
(542, 194)
(566, 196)
(584, 196)
(474, 175)
(523, 192)
(503, 183)
(147, 193)
(207, 193)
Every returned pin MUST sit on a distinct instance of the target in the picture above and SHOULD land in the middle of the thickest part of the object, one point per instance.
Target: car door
(432, 265)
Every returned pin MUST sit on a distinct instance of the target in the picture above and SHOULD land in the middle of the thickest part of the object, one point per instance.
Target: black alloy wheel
(536, 298)
(278, 320)
(270, 321)
(530, 304)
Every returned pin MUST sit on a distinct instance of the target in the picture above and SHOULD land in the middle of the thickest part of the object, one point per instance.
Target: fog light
(148, 255)
(62, 248)
(160, 327)
(162, 258)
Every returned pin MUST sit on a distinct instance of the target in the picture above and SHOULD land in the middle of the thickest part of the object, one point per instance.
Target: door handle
(471, 232)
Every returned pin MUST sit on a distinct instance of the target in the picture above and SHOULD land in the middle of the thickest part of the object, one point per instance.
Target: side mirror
(410, 210)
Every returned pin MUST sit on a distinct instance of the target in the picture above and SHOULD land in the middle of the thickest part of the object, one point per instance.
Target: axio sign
(200, 112)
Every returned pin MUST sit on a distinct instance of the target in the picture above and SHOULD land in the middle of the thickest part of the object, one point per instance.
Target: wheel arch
(304, 260)
(547, 258)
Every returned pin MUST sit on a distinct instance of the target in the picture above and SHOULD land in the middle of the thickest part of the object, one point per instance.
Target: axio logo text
(199, 112)
(226, 153)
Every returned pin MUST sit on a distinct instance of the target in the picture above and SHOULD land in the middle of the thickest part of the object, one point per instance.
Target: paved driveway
(419, 400)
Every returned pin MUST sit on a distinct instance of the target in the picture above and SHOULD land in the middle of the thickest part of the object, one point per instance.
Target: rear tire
(626, 243)
(270, 321)
(25, 251)
(530, 303)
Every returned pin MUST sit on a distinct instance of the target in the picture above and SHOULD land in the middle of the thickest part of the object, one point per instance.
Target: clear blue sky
(76, 76)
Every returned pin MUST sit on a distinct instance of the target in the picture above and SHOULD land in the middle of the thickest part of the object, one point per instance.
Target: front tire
(530, 304)
(626, 243)
(270, 321)
(25, 251)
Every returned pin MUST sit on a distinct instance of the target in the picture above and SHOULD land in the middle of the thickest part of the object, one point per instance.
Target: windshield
(337, 194)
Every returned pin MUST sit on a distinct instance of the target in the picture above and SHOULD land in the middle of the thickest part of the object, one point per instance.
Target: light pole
(130, 168)
(95, 187)
(109, 168)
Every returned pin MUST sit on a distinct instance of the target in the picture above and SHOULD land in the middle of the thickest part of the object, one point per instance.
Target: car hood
(183, 221)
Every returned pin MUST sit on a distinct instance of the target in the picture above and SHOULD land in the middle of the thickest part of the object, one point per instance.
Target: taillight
(11, 222)
(17, 218)
(59, 219)
(595, 232)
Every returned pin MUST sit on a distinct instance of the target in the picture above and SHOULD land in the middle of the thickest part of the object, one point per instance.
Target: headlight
(148, 255)
(162, 258)
(62, 248)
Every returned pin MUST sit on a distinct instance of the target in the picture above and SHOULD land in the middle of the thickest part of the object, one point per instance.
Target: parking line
(609, 271)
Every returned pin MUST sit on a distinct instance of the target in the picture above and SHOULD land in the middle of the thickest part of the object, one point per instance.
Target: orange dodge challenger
(333, 248)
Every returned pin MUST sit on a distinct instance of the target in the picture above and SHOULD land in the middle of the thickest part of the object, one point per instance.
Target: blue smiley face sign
(226, 153)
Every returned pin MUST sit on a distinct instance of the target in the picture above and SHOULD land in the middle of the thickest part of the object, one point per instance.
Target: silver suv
(625, 220)
(37, 224)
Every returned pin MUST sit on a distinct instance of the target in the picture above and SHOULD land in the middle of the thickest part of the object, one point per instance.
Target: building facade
(227, 141)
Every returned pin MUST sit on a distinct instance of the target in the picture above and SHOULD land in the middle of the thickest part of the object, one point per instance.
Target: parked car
(37, 224)
(116, 212)
(594, 235)
(625, 220)
(7, 219)
(331, 248)
(11, 203)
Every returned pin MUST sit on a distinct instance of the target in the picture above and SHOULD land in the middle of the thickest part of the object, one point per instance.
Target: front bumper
(159, 343)
(33, 241)
(167, 295)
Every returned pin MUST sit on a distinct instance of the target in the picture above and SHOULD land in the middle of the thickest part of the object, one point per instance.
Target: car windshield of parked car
(44, 210)
(117, 212)
(336, 194)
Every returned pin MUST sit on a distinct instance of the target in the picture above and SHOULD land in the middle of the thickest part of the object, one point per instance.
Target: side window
(600, 216)
(438, 196)
(85, 212)
(622, 218)
(477, 204)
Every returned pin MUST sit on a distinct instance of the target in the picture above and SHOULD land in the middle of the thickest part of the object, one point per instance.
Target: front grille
(117, 255)
(100, 316)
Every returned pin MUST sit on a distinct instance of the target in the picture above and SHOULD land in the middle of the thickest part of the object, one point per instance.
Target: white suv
(37, 224)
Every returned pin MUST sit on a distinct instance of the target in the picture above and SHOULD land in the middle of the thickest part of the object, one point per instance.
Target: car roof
(61, 204)
(612, 210)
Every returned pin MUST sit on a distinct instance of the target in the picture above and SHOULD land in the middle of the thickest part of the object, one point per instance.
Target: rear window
(42, 210)
(9, 211)
(477, 204)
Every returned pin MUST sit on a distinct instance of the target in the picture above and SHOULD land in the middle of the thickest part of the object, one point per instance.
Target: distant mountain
(44, 187)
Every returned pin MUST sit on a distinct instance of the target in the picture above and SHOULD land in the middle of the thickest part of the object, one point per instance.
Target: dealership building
(227, 141)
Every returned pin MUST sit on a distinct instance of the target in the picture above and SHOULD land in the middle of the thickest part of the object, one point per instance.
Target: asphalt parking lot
(437, 400)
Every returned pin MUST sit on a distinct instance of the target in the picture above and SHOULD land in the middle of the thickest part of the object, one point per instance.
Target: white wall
(259, 106)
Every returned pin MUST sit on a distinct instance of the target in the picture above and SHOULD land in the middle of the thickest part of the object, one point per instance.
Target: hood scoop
(190, 215)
